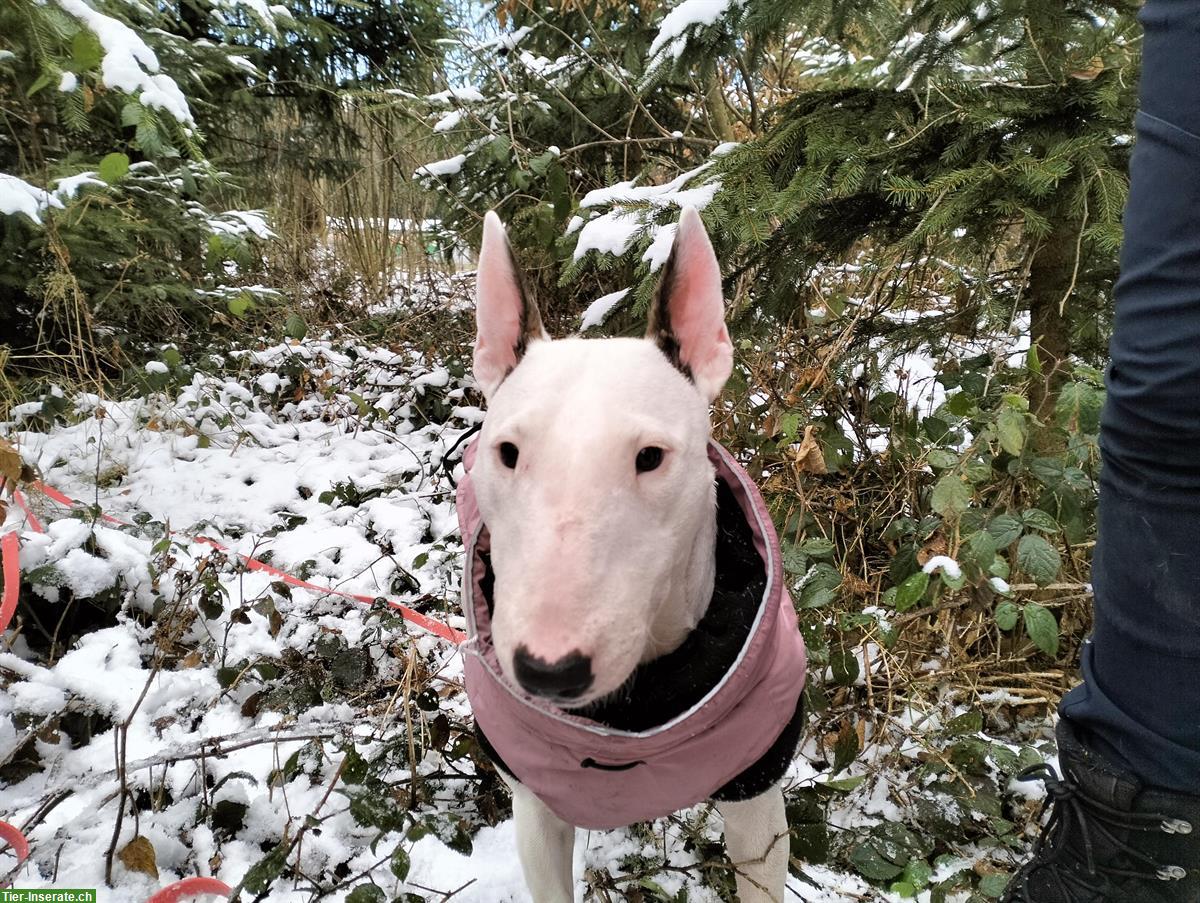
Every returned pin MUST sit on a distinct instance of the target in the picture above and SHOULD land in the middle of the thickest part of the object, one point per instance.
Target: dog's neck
(687, 594)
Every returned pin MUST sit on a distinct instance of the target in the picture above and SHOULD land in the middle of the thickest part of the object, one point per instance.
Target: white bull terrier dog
(632, 648)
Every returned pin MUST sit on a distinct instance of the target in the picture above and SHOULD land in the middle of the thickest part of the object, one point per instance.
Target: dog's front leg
(756, 838)
(545, 846)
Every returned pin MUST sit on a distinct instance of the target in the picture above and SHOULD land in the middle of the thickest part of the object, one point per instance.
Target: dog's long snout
(567, 678)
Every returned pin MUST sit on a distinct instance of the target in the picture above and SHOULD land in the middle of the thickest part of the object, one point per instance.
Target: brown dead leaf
(1090, 70)
(856, 585)
(10, 466)
(191, 660)
(807, 379)
(138, 856)
(809, 458)
(935, 545)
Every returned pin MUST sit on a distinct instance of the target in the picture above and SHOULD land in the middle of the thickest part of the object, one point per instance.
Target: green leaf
(951, 496)
(941, 459)
(1078, 407)
(905, 889)
(1011, 428)
(559, 188)
(964, 724)
(1038, 559)
(1037, 519)
(86, 52)
(1005, 528)
(44, 80)
(911, 591)
(819, 586)
(400, 863)
(993, 885)
(294, 327)
(1007, 614)
(1048, 471)
(239, 305)
(845, 785)
(844, 665)
(795, 562)
(918, 873)
(1042, 628)
(952, 582)
(540, 163)
(114, 167)
(961, 404)
(977, 471)
(980, 549)
(366, 893)
(817, 548)
(261, 875)
(131, 115)
(870, 864)
(1033, 363)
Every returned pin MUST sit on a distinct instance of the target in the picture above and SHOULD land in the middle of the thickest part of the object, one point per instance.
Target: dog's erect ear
(687, 315)
(506, 318)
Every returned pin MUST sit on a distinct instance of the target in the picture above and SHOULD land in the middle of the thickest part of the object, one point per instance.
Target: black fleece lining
(668, 686)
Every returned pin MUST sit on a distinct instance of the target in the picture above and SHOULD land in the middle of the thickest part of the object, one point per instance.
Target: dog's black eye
(649, 458)
(508, 454)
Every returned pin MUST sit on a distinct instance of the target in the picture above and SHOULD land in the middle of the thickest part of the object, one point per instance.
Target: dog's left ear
(687, 315)
(506, 317)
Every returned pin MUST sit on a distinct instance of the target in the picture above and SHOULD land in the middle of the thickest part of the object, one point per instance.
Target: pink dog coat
(595, 776)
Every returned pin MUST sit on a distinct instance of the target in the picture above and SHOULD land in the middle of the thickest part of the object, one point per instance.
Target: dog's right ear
(505, 316)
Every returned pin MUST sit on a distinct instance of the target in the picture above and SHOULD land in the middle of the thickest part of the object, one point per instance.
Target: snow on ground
(325, 458)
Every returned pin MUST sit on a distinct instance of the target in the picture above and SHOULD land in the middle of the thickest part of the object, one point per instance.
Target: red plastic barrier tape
(30, 518)
(57, 496)
(445, 631)
(16, 840)
(190, 887)
(10, 559)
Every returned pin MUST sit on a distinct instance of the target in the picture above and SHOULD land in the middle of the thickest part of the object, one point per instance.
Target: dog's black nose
(566, 678)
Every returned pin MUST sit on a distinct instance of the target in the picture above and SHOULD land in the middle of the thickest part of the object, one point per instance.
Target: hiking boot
(1109, 838)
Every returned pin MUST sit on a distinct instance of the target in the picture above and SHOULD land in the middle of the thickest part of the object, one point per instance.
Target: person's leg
(1125, 822)
(1140, 700)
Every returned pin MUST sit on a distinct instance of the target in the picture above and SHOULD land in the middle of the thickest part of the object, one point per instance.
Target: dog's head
(592, 474)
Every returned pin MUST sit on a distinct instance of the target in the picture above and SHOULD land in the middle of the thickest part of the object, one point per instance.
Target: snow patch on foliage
(945, 564)
(448, 122)
(18, 196)
(462, 95)
(597, 312)
(613, 232)
(449, 167)
(241, 222)
(129, 64)
(687, 16)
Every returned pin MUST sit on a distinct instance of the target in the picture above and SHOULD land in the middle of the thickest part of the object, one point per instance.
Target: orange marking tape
(445, 631)
(189, 887)
(10, 558)
(30, 518)
(15, 839)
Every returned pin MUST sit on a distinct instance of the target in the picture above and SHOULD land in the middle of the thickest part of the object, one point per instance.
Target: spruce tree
(994, 134)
